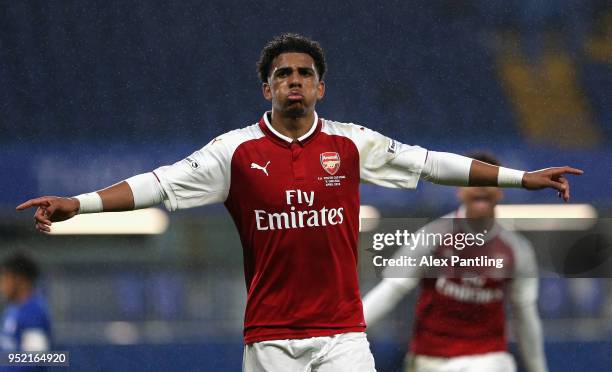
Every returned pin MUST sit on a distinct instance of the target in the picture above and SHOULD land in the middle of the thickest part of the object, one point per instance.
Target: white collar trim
(313, 127)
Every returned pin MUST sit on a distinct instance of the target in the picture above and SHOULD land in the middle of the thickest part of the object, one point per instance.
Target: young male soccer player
(460, 320)
(25, 324)
(291, 185)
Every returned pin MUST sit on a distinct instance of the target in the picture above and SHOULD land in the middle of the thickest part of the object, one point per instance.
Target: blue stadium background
(93, 92)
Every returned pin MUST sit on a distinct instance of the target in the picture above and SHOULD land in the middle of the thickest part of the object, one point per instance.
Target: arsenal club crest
(330, 162)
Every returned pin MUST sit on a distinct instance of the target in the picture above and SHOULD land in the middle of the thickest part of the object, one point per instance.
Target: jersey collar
(268, 129)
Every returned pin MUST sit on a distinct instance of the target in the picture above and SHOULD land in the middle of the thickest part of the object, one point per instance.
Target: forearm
(115, 198)
(526, 321)
(141, 191)
(118, 197)
(136, 192)
(528, 329)
(382, 298)
(455, 170)
(483, 174)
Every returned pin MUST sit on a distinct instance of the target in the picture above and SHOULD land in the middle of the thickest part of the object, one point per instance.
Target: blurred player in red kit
(291, 184)
(459, 320)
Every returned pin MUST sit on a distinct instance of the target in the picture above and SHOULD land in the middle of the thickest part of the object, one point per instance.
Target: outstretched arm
(140, 191)
(381, 299)
(527, 325)
(199, 179)
(456, 170)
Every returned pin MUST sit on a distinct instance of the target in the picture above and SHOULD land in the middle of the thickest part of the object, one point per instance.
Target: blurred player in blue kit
(25, 323)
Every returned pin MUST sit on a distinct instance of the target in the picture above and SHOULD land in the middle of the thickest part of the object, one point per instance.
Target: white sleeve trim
(146, 189)
(445, 168)
(383, 298)
(34, 339)
(89, 203)
(527, 325)
(507, 177)
(523, 300)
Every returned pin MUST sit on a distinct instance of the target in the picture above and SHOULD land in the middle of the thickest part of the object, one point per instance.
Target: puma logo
(263, 169)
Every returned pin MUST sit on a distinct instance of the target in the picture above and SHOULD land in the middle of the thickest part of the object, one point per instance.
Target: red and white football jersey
(296, 207)
(460, 311)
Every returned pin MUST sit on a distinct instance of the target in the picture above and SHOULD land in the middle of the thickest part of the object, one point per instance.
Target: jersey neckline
(269, 131)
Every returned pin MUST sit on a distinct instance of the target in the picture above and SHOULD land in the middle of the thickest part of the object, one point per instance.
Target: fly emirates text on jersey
(300, 215)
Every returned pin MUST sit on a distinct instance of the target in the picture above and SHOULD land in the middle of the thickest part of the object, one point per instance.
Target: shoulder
(343, 129)
(364, 138)
(247, 133)
(520, 246)
(515, 240)
(33, 310)
(222, 147)
(234, 138)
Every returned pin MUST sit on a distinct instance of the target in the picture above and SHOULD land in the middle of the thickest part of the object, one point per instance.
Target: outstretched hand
(51, 209)
(551, 177)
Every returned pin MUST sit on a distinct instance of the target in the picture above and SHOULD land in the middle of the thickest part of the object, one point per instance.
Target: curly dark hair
(484, 157)
(21, 264)
(287, 43)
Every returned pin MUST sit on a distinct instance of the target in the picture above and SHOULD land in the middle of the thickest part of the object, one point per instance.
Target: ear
(266, 90)
(320, 90)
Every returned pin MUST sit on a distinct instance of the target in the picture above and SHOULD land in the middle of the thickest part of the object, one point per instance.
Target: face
(293, 86)
(8, 285)
(479, 201)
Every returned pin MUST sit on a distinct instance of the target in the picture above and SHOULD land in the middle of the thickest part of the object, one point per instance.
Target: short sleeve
(382, 160)
(201, 178)
(526, 264)
(524, 285)
(204, 177)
